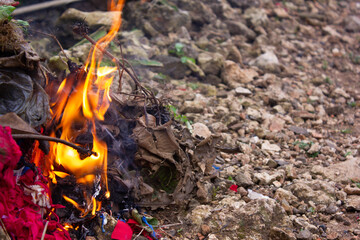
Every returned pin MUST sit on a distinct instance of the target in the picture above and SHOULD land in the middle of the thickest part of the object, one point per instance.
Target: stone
(317, 171)
(340, 92)
(240, 91)
(92, 19)
(205, 191)
(299, 130)
(331, 209)
(199, 12)
(205, 229)
(243, 179)
(266, 179)
(334, 111)
(277, 124)
(254, 195)
(253, 114)
(199, 214)
(305, 192)
(233, 202)
(352, 190)
(281, 234)
(201, 130)
(212, 79)
(352, 24)
(302, 223)
(315, 148)
(210, 63)
(290, 172)
(305, 115)
(238, 28)
(233, 53)
(272, 163)
(267, 146)
(232, 75)
(352, 203)
(267, 62)
(194, 68)
(281, 13)
(162, 17)
(256, 17)
(282, 194)
(304, 235)
(344, 171)
(260, 213)
(332, 32)
(212, 237)
(172, 66)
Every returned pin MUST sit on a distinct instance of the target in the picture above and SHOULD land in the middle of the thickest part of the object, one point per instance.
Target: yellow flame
(73, 203)
(61, 174)
(67, 226)
(83, 99)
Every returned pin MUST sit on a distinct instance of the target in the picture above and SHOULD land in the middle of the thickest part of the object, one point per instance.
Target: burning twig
(82, 30)
(81, 150)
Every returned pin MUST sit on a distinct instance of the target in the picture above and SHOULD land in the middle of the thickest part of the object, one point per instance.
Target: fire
(82, 99)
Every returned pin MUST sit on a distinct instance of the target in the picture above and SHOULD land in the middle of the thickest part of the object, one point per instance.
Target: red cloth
(22, 217)
(137, 229)
(122, 231)
(233, 187)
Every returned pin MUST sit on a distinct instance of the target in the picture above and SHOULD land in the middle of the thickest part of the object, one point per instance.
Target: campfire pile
(88, 156)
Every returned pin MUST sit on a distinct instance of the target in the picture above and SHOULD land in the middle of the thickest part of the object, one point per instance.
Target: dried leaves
(172, 163)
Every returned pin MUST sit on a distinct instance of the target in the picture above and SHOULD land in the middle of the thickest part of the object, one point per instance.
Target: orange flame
(82, 99)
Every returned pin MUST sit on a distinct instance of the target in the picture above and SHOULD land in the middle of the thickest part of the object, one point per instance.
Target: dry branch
(81, 150)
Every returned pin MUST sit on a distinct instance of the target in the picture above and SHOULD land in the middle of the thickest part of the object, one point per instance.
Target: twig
(122, 65)
(139, 233)
(3, 227)
(81, 150)
(171, 225)
(40, 6)
(57, 41)
(44, 232)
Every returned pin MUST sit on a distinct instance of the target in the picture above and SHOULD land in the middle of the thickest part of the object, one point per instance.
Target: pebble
(242, 91)
(304, 235)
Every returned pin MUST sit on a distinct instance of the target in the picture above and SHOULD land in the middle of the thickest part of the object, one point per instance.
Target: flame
(82, 99)
(67, 226)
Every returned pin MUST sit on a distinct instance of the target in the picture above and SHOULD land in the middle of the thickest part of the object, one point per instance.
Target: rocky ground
(278, 81)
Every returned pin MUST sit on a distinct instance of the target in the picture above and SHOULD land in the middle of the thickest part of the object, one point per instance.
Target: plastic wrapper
(23, 96)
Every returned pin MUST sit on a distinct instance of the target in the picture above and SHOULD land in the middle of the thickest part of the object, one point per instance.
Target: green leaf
(172, 109)
(151, 63)
(347, 153)
(152, 221)
(5, 12)
(136, 216)
(96, 36)
(185, 59)
(22, 23)
(160, 76)
(179, 47)
(346, 131)
(107, 63)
